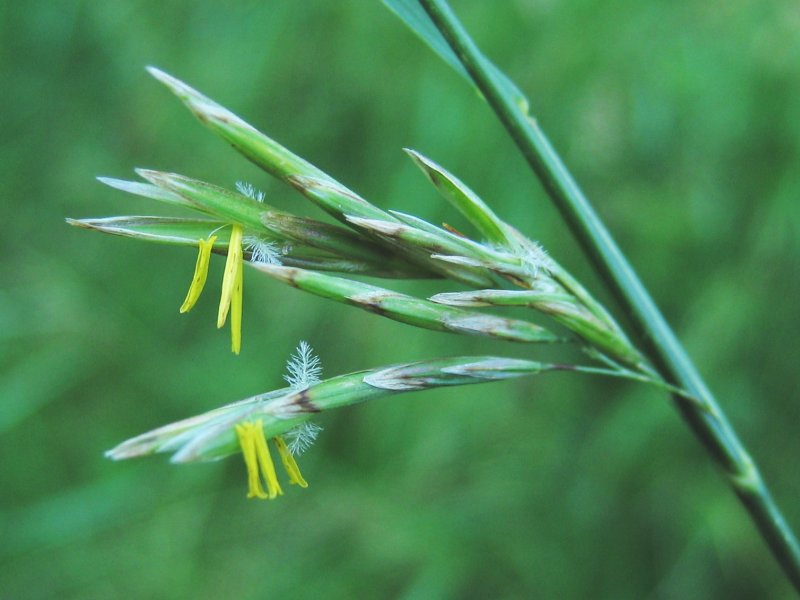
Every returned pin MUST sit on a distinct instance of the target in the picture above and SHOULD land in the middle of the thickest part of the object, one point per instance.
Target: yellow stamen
(236, 307)
(265, 459)
(257, 458)
(232, 266)
(200, 273)
(289, 463)
(247, 441)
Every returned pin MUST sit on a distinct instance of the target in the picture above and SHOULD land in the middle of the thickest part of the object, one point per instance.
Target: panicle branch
(298, 250)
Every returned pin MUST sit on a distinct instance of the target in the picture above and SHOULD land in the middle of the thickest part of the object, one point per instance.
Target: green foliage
(678, 120)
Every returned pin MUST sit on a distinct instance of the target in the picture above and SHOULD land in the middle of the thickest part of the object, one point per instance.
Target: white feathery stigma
(302, 437)
(304, 369)
(262, 251)
(537, 259)
(247, 189)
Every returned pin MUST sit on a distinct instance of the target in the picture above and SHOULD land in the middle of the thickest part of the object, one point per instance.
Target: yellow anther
(232, 266)
(289, 463)
(200, 273)
(259, 461)
(265, 459)
(231, 298)
(247, 441)
(236, 308)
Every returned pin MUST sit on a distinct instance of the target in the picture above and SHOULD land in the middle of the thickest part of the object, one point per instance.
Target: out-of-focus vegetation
(679, 119)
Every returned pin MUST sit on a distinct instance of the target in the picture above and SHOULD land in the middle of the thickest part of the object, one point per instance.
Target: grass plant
(496, 265)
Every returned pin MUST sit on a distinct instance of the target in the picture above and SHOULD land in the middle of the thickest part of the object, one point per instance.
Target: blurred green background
(679, 119)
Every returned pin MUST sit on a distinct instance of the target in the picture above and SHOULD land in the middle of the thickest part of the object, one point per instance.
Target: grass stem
(705, 417)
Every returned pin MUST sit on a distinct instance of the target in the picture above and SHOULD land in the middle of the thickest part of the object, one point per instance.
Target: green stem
(705, 418)
(623, 373)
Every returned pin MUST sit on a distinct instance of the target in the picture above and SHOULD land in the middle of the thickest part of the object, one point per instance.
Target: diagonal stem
(705, 417)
